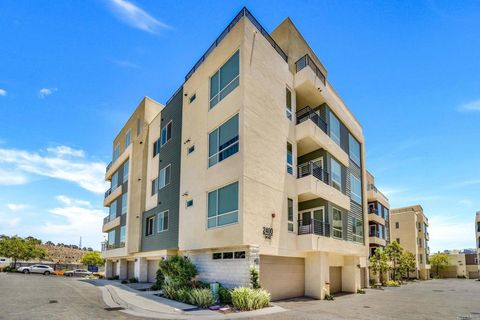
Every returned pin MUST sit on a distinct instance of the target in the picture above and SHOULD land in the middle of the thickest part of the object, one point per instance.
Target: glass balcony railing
(305, 61)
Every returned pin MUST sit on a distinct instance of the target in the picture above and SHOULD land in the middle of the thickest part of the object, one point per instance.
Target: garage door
(335, 280)
(152, 270)
(283, 277)
(130, 269)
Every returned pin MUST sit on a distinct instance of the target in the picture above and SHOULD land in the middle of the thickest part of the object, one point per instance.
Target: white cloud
(45, 92)
(80, 221)
(11, 178)
(3, 92)
(135, 16)
(470, 106)
(87, 174)
(17, 206)
(66, 151)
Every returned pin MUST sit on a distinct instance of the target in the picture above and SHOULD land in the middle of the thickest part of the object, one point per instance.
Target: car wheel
(46, 273)
(26, 271)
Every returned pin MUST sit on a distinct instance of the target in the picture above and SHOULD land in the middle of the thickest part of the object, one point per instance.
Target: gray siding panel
(169, 196)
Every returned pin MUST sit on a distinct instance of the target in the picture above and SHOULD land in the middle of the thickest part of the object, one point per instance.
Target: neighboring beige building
(409, 227)
(461, 265)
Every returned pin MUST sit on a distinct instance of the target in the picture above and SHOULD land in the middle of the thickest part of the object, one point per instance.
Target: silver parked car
(36, 268)
(77, 273)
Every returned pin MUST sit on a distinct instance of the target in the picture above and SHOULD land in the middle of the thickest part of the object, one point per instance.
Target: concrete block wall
(230, 272)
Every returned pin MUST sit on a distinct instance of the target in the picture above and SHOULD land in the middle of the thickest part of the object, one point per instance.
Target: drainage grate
(114, 308)
(53, 301)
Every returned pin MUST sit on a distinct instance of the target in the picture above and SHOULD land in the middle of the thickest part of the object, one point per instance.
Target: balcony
(427, 236)
(313, 226)
(113, 166)
(110, 195)
(373, 194)
(374, 217)
(313, 182)
(113, 250)
(110, 223)
(375, 239)
(311, 135)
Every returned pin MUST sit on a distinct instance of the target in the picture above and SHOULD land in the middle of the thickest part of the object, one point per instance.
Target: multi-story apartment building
(461, 265)
(477, 237)
(409, 227)
(378, 216)
(272, 171)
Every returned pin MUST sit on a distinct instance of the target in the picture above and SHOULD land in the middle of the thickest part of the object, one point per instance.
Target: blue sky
(71, 72)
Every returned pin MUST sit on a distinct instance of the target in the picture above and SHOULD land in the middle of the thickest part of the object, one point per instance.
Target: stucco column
(122, 269)
(351, 274)
(141, 269)
(108, 269)
(317, 275)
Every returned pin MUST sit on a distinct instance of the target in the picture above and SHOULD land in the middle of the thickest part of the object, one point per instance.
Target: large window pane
(288, 98)
(290, 214)
(336, 174)
(289, 158)
(337, 223)
(111, 237)
(212, 204)
(334, 128)
(223, 141)
(356, 189)
(223, 206)
(125, 171)
(113, 210)
(114, 182)
(354, 149)
(225, 80)
(124, 202)
(228, 198)
(122, 234)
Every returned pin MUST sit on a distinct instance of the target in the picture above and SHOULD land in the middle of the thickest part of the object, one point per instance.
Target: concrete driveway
(433, 299)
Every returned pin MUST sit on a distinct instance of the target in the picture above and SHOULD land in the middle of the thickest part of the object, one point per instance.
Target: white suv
(36, 268)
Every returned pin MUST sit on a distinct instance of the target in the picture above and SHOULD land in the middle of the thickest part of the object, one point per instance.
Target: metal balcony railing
(108, 192)
(106, 246)
(109, 166)
(308, 113)
(312, 169)
(305, 61)
(313, 226)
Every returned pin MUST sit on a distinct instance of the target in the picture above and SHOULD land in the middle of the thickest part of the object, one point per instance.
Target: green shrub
(200, 284)
(201, 297)
(254, 278)
(250, 299)
(360, 291)
(155, 287)
(133, 280)
(329, 297)
(178, 271)
(160, 279)
(124, 281)
(225, 295)
(392, 283)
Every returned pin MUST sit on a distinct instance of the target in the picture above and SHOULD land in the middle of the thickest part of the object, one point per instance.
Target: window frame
(290, 170)
(339, 183)
(116, 152)
(216, 207)
(169, 123)
(290, 222)
(352, 193)
(154, 185)
(289, 108)
(162, 218)
(113, 187)
(333, 224)
(333, 135)
(355, 228)
(218, 151)
(124, 203)
(150, 226)
(124, 234)
(113, 231)
(113, 204)
(353, 142)
(169, 167)
(139, 126)
(126, 164)
(129, 135)
(220, 90)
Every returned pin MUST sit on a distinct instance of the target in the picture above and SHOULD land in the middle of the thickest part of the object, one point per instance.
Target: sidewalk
(147, 304)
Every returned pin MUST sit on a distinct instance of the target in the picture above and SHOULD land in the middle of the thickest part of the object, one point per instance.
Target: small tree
(379, 263)
(178, 271)
(17, 248)
(407, 264)
(254, 278)
(394, 253)
(439, 261)
(92, 258)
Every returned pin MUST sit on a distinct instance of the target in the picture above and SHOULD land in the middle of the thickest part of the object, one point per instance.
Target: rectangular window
(191, 149)
(288, 98)
(139, 126)
(149, 226)
(223, 206)
(227, 255)
(166, 134)
(156, 147)
(162, 221)
(124, 202)
(192, 97)
(114, 182)
(289, 158)
(336, 174)
(125, 171)
(111, 237)
(128, 138)
(189, 203)
(397, 225)
(225, 80)
(357, 230)
(223, 141)
(154, 186)
(337, 224)
(122, 235)
(356, 189)
(354, 149)
(164, 177)
(290, 215)
(421, 258)
(113, 210)
(239, 254)
(334, 128)
(116, 152)
(217, 256)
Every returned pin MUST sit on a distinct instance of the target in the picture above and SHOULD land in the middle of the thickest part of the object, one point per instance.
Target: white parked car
(36, 268)
(77, 273)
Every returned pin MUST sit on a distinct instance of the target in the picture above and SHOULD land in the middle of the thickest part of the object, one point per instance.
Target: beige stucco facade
(408, 226)
(477, 235)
